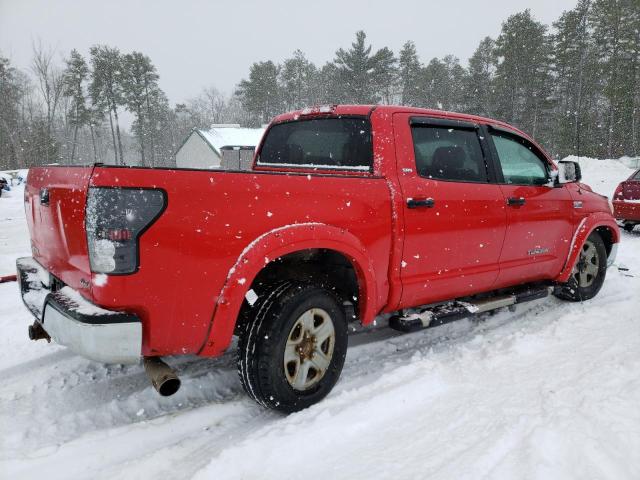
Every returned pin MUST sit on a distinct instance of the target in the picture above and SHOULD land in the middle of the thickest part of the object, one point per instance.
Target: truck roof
(390, 110)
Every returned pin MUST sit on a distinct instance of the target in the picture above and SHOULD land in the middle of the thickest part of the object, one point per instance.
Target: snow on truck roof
(231, 135)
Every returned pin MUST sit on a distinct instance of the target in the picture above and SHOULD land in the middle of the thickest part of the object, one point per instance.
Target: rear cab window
(335, 143)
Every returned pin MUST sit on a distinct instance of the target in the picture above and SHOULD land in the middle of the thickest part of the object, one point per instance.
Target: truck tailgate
(55, 199)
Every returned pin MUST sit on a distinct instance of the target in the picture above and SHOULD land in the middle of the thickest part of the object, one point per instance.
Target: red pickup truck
(348, 212)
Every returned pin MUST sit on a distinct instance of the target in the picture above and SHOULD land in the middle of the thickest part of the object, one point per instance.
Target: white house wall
(196, 153)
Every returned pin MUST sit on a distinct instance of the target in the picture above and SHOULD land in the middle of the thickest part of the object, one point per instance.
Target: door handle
(44, 196)
(516, 201)
(421, 203)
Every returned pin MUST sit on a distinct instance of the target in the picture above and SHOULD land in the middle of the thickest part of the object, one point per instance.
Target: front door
(454, 213)
(540, 219)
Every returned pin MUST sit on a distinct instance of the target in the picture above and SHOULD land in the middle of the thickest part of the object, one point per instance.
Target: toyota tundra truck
(347, 213)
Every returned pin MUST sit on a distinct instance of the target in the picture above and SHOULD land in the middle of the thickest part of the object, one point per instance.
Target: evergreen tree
(297, 82)
(410, 76)
(9, 99)
(261, 94)
(434, 79)
(616, 24)
(364, 78)
(162, 134)
(522, 93)
(139, 88)
(478, 82)
(385, 75)
(456, 74)
(327, 87)
(75, 77)
(106, 90)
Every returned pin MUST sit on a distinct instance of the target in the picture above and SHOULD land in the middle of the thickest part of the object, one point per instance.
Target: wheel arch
(261, 254)
(599, 222)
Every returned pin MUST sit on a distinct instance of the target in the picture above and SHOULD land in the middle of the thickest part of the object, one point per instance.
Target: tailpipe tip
(162, 376)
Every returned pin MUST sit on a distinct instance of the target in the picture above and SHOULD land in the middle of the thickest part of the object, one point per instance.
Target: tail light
(115, 220)
(619, 195)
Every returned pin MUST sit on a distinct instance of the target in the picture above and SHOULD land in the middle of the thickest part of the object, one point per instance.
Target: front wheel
(292, 348)
(588, 273)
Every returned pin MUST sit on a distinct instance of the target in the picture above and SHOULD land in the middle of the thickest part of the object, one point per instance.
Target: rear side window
(448, 154)
(520, 164)
(637, 175)
(331, 143)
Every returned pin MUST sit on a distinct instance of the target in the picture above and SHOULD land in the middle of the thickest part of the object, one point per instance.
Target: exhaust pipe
(162, 376)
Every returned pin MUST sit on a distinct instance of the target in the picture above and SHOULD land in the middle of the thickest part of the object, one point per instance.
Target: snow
(550, 391)
(82, 306)
(602, 175)
(232, 136)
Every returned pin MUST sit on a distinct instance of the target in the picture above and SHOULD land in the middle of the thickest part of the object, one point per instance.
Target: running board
(457, 310)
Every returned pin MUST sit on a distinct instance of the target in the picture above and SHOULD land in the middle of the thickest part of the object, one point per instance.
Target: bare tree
(49, 78)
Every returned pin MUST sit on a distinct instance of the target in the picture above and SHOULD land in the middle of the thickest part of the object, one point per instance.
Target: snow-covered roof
(231, 136)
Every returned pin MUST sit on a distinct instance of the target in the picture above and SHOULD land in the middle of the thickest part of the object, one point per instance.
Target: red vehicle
(626, 202)
(347, 213)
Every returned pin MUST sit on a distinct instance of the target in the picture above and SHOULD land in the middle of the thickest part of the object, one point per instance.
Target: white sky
(195, 44)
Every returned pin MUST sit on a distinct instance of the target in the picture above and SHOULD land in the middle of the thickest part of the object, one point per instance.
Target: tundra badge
(538, 251)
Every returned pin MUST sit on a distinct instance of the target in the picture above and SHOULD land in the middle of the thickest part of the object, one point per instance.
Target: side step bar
(457, 310)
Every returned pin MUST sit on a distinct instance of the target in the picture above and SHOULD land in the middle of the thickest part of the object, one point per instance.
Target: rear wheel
(588, 273)
(293, 346)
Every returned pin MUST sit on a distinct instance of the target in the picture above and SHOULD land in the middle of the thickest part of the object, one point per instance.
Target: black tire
(629, 227)
(586, 277)
(270, 330)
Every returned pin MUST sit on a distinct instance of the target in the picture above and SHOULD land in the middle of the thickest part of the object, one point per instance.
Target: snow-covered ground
(550, 391)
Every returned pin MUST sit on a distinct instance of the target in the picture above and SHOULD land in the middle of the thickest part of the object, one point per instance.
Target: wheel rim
(586, 270)
(309, 349)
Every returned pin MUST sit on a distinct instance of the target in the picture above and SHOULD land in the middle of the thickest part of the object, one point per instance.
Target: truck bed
(210, 219)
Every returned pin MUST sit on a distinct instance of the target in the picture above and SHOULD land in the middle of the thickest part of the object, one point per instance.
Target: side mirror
(568, 172)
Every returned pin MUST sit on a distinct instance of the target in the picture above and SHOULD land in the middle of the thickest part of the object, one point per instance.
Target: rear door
(454, 212)
(540, 217)
(55, 199)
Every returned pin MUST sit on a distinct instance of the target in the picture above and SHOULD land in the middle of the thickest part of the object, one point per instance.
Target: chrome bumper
(91, 331)
(612, 255)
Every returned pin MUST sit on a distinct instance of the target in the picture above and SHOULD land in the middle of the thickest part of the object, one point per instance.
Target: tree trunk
(75, 141)
(142, 133)
(610, 139)
(115, 114)
(113, 136)
(152, 134)
(93, 142)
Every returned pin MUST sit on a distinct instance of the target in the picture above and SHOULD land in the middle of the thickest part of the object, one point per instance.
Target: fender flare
(586, 226)
(272, 245)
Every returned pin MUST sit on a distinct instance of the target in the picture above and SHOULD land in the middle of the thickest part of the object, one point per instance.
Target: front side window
(520, 165)
(330, 143)
(451, 154)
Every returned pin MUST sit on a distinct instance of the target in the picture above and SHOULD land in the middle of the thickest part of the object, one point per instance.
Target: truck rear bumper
(103, 335)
